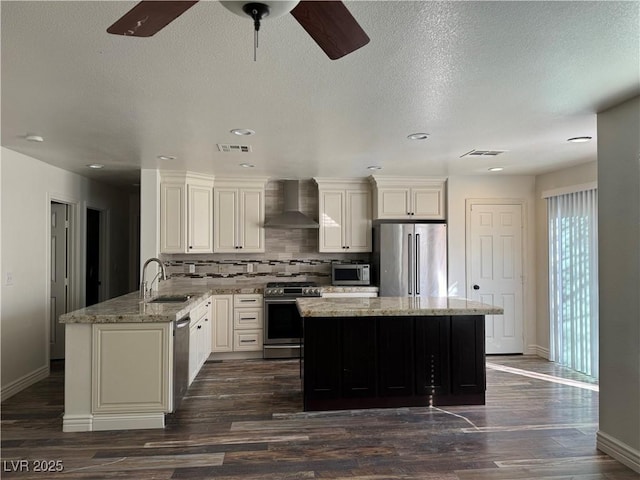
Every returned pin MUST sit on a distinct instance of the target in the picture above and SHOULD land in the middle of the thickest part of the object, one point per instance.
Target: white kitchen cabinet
(238, 221)
(186, 213)
(399, 198)
(247, 325)
(131, 370)
(237, 325)
(222, 328)
(344, 215)
(199, 337)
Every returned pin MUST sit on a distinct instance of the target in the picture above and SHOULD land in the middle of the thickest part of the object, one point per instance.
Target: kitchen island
(393, 352)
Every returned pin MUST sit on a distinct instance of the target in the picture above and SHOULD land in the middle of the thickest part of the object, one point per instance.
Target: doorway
(59, 298)
(495, 270)
(93, 293)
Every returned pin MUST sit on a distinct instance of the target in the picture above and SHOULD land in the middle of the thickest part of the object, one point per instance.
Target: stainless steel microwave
(350, 274)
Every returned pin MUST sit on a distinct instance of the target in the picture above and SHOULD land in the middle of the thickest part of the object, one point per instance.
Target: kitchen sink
(170, 299)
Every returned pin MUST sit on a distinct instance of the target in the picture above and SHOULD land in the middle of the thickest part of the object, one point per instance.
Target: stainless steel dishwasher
(180, 360)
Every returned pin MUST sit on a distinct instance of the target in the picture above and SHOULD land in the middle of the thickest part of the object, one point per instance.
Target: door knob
(476, 287)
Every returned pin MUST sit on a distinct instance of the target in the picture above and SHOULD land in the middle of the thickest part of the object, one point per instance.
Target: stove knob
(316, 291)
(280, 291)
(267, 291)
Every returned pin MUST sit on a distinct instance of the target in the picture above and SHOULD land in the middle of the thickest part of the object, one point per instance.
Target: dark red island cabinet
(393, 361)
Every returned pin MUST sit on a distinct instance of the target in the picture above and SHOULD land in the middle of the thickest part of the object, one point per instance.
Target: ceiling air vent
(483, 153)
(227, 148)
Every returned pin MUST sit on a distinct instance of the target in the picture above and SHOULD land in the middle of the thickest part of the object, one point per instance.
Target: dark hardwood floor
(243, 420)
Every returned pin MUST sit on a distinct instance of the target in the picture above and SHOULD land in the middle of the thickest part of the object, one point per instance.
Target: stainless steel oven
(282, 322)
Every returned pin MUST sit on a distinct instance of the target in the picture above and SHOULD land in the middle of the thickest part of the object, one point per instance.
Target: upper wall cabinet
(238, 220)
(344, 215)
(408, 198)
(186, 213)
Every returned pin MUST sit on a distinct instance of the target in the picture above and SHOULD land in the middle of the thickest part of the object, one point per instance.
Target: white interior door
(59, 277)
(495, 271)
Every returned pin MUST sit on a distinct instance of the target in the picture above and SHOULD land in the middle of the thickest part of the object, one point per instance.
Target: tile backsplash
(289, 252)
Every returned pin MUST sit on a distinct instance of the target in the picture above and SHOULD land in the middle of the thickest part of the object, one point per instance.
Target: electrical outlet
(192, 268)
(8, 279)
(249, 267)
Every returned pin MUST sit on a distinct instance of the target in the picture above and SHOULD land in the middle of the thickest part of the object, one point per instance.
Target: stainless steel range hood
(291, 217)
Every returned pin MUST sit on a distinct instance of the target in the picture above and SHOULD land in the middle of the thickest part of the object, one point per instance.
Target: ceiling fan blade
(149, 17)
(332, 27)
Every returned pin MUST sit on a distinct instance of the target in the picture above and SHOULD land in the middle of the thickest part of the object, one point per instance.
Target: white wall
(28, 186)
(461, 188)
(619, 269)
(568, 177)
(149, 218)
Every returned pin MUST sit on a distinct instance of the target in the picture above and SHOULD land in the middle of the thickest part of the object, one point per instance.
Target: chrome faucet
(145, 292)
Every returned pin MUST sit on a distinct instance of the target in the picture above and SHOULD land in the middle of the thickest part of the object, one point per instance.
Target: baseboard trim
(618, 450)
(538, 351)
(26, 381)
(77, 423)
(135, 421)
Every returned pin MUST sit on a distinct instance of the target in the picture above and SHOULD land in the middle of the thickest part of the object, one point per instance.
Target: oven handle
(280, 300)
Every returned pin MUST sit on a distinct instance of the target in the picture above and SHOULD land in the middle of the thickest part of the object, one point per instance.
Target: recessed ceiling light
(33, 138)
(578, 139)
(375, 167)
(167, 157)
(496, 169)
(247, 165)
(96, 166)
(242, 131)
(418, 136)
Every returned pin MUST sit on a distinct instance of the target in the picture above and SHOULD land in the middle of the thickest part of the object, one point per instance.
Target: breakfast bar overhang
(393, 352)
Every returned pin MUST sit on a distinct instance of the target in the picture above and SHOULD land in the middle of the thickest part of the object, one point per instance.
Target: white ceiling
(516, 76)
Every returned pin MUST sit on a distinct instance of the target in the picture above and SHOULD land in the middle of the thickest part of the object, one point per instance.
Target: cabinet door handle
(248, 318)
(248, 341)
(199, 327)
(247, 300)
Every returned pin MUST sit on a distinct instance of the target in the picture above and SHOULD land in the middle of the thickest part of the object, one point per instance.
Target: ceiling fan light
(95, 166)
(578, 139)
(276, 8)
(496, 169)
(33, 138)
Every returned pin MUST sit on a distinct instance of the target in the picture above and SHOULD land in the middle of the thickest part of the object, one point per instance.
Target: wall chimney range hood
(291, 217)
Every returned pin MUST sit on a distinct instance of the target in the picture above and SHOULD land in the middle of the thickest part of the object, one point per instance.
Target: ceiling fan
(329, 23)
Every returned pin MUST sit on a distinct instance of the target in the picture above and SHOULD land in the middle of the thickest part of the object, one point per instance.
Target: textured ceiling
(516, 76)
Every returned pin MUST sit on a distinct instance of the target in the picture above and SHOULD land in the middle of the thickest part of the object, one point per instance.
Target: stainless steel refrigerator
(410, 259)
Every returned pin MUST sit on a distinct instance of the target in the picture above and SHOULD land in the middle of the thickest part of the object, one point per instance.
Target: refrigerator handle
(417, 277)
(410, 264)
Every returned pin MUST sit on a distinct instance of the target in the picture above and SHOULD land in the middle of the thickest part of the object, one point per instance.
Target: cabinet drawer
(247, 300)
(200, 311)
(247, 340)
(247, 318)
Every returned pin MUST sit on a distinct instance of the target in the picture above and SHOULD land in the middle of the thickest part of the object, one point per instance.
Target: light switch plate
(8, 279)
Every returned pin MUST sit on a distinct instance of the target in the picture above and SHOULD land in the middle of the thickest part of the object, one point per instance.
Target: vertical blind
(573, 280)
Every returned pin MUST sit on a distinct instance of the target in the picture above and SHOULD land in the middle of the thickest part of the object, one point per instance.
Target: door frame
(469, 203)
(75, 290)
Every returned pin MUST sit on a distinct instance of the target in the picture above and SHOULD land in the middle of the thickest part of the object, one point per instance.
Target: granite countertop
(349, 289)
(130, 309)
(393, 306)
